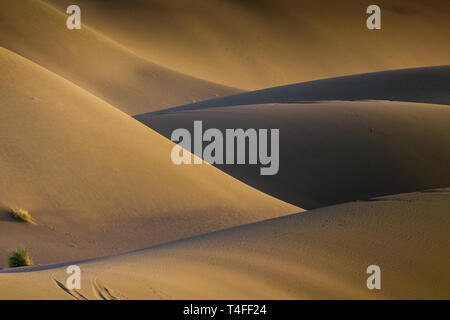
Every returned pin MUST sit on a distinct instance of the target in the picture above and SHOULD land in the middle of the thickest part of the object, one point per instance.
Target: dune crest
(259, 44)
(427, 85)
(97, 181)
(335, 151)
(37, 31)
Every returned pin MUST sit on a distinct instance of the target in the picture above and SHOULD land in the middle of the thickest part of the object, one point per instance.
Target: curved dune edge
(98, 182)
(37, 31)
(335, 151)
(425, 85)
(260, 44)
(319, 254)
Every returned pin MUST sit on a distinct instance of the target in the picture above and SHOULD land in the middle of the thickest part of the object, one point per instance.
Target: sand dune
(336, 151)
(96, 180)
(101, 185)
(429, 85)
(260, 44)
(113, 72)
(321, 254)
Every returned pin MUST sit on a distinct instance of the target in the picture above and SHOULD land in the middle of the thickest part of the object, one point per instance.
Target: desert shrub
(22, 215)
(19, 258)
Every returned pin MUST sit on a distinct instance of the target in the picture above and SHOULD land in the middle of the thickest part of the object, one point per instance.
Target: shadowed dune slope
(429, 85)
(266, 43)
(336, 151)
(96, 180)
(320, 254)
(36, 30)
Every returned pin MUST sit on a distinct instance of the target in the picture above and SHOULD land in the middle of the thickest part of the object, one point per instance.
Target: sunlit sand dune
(260, 44)
(320, 254)
(36, 30)
(86, 118)
(96, 180)
(335, 151)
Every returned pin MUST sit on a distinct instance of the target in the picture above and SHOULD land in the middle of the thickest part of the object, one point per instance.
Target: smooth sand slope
(429, 85)
(336, 151)
(320, 254)
(260, 44)
(96, 180)
(37, 31)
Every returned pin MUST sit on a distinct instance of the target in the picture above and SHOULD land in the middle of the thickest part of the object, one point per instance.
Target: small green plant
(22, 215)
(19, 258)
